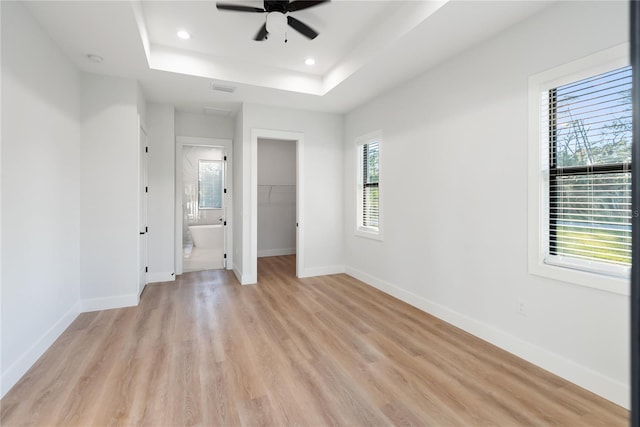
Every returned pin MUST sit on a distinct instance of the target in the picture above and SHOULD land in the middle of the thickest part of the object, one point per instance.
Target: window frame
(200, 191)
(565, 269)
(361, 229)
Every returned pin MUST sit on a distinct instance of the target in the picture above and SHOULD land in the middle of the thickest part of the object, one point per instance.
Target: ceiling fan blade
(238, 8)
(262, 33)
(302, 28)
(304, 4)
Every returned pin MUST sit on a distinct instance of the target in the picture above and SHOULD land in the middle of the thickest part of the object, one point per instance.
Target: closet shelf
(276, 194)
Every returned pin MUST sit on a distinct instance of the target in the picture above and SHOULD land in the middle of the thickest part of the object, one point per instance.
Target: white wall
(162, 151)
(109, 203)
(69, 192)
(454, 188)
(323, 250)
(141, 106)
(204, 125)
(238, 193)
(276, 197)
(40, 193)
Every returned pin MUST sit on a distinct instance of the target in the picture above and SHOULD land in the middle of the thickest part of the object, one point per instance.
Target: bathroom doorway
(201, 196)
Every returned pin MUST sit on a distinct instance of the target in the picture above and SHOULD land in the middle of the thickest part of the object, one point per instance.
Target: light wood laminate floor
(320, 351)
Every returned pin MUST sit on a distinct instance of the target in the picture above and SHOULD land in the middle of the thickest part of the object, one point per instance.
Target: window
(370, 181)
(368, 194)
(590, 169)
(209, 184)
(583, 173)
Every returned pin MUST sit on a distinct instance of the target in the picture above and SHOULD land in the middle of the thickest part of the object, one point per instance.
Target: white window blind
(370, 181)
(368, 202)
(209, 184)
(589, 125)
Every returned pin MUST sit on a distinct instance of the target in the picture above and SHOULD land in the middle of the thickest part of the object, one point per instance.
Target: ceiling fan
(277, 16)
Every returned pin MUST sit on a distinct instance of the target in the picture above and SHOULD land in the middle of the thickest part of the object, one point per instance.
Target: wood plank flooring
(320, 351)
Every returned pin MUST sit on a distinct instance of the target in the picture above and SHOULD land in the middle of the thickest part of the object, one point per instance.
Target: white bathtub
(207, 236)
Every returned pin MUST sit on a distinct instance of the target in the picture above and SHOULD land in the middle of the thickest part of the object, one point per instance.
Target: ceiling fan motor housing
(276, 6)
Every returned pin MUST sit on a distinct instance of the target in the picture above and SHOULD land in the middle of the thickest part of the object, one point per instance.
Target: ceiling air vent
(216, 111)
(222, 88)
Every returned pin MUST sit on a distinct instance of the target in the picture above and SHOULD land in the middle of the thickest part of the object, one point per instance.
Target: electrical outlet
(521, 308)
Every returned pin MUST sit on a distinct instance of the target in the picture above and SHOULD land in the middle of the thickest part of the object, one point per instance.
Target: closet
(276, 197)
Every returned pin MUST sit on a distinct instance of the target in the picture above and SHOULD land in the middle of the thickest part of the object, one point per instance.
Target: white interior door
(142, 227)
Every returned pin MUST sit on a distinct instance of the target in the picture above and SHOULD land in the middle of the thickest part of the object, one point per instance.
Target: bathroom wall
(191, 212)
(276, 197)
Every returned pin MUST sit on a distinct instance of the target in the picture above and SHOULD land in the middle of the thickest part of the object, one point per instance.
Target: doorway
(276, 197)
(250, 275)
(201, 204)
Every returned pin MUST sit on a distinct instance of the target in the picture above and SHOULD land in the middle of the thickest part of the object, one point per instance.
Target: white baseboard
(14, 372)
(244, 279)
(595, 382)
(248, 280)
(237, 273)
(108, 303)
(161, 277)
(276, 252)
(321, 271)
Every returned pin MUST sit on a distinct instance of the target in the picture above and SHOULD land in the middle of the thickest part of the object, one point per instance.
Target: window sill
(369, 234)
(613, 284)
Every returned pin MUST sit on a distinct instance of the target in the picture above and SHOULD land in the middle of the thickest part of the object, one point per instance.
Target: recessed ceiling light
(95, 58)
(184, 35)
(310, 61)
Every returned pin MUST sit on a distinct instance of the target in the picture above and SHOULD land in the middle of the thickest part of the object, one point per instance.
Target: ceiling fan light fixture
(276, 23)
(278, 16)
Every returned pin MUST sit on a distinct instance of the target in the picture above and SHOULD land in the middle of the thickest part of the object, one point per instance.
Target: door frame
(143, 203)
(227, 146)
(635, 241)
(298, 139)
